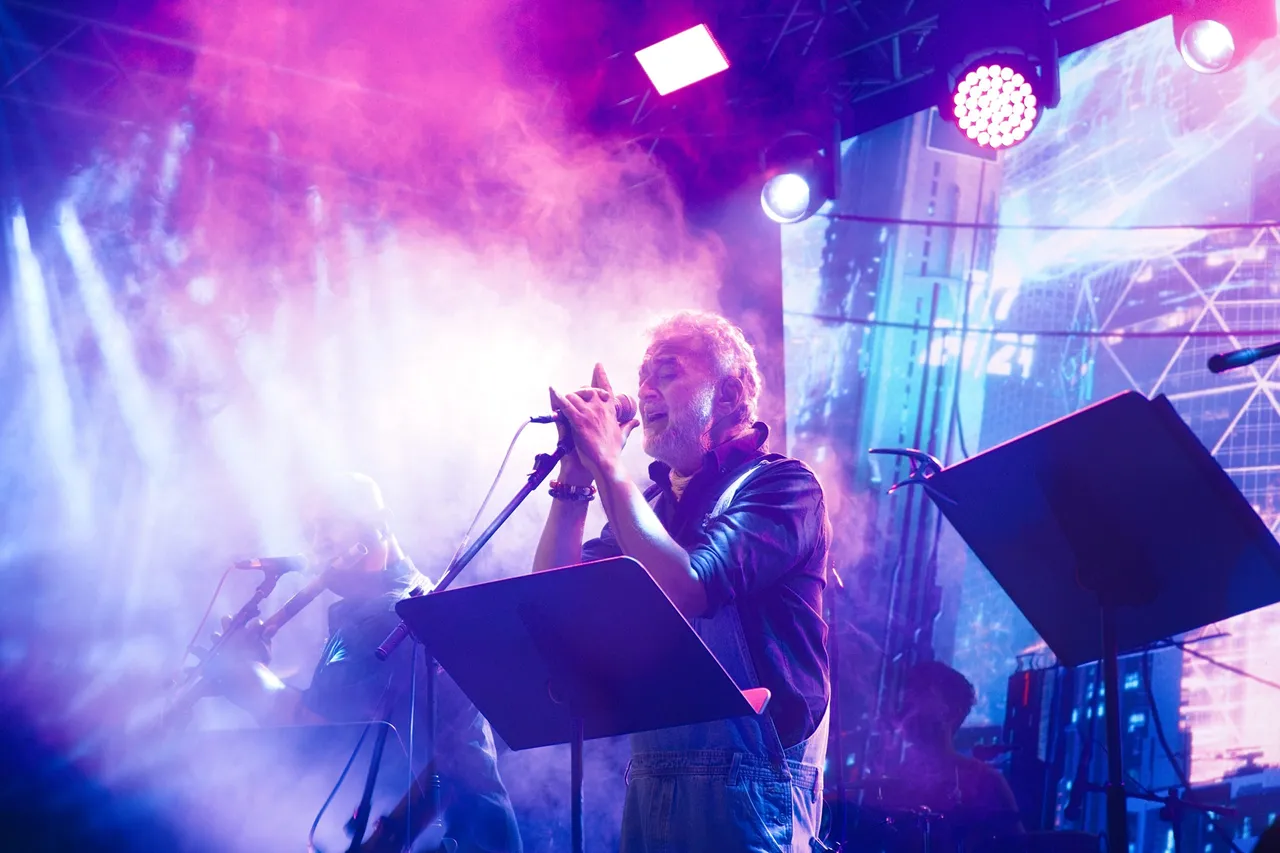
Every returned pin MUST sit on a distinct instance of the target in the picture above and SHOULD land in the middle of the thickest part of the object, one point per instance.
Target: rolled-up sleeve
(771, 526)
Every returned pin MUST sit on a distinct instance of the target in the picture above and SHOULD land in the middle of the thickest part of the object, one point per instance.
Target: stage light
(1001, 64)
(785, 198)
(1207, 46)
(1216, 35)
(801, 173)
(682, 60)
(994, 101)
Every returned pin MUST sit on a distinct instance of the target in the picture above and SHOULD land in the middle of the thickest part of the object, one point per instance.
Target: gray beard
(686, 436)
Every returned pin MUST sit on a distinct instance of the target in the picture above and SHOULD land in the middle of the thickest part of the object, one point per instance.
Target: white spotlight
(1207, 46)
(1214, 36)
(785, 198)
(801, 173)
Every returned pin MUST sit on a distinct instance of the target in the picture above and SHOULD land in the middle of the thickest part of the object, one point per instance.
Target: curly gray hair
(724, 345)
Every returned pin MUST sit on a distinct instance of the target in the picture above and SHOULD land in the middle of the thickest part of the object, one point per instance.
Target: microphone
(1241, 357)
(625, 405)
(279, 565)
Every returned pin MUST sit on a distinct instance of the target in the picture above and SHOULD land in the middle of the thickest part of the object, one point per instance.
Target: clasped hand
(598, 438)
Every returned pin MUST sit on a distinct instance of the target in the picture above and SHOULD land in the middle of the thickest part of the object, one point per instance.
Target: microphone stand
(190, 689)
(391, 825)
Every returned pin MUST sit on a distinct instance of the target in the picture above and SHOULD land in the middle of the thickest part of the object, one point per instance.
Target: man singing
(351, 685)
(737, 538)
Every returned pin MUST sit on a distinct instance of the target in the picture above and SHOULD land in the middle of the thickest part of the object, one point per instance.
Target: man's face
(677, 392)
(927, 715)
(330, 538)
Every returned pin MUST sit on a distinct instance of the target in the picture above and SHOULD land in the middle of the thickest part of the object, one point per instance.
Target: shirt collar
(722, 456)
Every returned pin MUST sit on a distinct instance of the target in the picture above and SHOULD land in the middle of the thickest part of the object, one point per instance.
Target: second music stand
(1111, 529)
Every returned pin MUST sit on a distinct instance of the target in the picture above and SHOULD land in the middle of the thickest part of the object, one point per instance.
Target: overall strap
(736, 484)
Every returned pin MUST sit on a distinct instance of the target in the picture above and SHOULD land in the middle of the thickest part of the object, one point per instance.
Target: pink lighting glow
(683, 59)
(995, 106)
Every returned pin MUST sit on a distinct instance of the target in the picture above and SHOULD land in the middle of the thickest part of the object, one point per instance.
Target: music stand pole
(1117, 808)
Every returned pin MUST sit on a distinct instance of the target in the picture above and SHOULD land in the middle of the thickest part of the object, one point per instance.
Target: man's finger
(558, 402)
(600, 380)
(627, 428)
(570, 403)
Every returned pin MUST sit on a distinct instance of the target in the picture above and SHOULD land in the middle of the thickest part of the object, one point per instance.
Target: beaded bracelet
(570, 492)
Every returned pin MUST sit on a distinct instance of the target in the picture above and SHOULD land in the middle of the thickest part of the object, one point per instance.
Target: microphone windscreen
(627, 408)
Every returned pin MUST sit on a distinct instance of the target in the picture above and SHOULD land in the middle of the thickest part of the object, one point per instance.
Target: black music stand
(1111, 529)
(587, 651)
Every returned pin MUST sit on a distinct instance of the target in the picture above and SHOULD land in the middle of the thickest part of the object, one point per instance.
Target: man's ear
(729, 395)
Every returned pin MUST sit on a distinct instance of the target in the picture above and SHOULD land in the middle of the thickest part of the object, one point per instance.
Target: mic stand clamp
(543, 465)
(923, 467)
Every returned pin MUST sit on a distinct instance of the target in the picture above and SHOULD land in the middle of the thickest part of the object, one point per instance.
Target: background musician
(973, 796)
(349, 684)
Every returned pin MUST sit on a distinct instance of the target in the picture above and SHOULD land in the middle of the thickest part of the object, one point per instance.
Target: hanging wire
(1045, 333)
(1212, 661)
(1000, 226)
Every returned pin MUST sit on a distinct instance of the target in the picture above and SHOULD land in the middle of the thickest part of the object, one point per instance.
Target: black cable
(956, 427)
(998, 226)
(412, 657)
(413, 714)
(311, 836)
(1174, 764)
(1155, 721)
(342, 777)
(1075, 798)
(964, 450)
(1044, 333)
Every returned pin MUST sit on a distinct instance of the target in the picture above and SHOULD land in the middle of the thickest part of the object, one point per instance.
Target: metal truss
(62, 72)
(795, 62)
(867, 63)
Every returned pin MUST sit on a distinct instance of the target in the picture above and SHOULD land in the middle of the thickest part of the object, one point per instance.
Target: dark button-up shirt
(766, 553)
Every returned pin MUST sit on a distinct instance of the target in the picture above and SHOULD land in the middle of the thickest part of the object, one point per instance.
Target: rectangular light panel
(683, 59)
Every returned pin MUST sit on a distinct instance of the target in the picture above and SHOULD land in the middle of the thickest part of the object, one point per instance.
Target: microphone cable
(1073, 811)
(1174, 764)
(466, 537)
(342, 777)
(413, 657)
(413, 699)
(191, 644)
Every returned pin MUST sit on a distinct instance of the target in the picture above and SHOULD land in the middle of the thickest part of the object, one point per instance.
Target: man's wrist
(574, 476)
(612, 474)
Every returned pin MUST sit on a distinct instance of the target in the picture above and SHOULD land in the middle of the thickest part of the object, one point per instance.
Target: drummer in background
(936, 701)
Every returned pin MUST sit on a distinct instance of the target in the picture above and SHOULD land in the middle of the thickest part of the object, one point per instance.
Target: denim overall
(727, 785)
